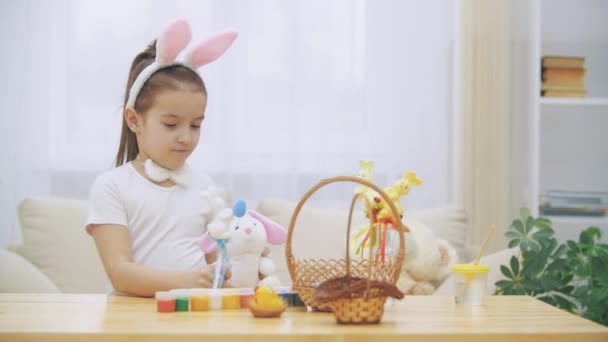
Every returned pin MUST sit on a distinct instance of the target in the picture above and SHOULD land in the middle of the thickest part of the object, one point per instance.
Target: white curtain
(309, 89)
(494, 98)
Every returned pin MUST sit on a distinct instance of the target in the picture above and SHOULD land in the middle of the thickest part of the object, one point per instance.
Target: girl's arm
(114, 247)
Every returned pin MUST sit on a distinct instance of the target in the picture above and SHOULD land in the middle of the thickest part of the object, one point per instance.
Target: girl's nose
(185, 137)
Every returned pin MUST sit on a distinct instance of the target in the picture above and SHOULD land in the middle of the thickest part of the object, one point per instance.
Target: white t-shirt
(164, 223)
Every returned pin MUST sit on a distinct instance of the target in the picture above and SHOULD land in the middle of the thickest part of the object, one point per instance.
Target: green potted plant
(572, 276)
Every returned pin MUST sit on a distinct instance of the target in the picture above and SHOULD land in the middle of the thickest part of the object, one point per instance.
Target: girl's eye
(170, 125)
(195, 126)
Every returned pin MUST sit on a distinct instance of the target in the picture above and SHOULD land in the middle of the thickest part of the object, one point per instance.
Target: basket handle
(401, 228)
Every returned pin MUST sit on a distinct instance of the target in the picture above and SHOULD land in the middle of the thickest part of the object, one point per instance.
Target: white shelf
(566, 135)
(586, 101)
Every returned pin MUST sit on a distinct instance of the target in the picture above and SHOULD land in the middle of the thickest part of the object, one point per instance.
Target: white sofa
(58, 256)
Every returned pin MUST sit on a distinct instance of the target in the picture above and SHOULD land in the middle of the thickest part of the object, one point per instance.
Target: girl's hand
(204, 278)
(201, 278)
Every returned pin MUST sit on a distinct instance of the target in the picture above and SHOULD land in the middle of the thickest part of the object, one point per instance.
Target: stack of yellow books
(563, 76)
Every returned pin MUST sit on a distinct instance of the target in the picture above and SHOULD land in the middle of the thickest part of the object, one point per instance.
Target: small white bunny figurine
(248, 233)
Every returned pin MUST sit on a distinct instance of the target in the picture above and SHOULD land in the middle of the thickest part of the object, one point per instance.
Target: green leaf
(532, 265)
(532, 285)
(543, 223)
(503, 283)
(525, 246)
(550, 283)
(586, 248)
(557, 265)
(566, 289)
(535, 246)
(590, 235)
(600, 252)
(582, 270)
(549, 300)
(602, 280)
(529, 224)
(514, 243)
(525, 213)
(542, 234)
(567, 279)
(559, 252)
(581, 292)
(550, 245)
(519, 291)
(529, 245)
(512, 234)
(506, 271)
(519, 226)
(515, 265)
(509, 290)
(564, 303)
(599, 265)
(599, 295)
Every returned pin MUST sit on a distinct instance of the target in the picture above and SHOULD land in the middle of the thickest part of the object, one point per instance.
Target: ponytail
(128, 148)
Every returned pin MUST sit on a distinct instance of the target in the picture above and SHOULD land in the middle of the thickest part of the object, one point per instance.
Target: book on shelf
(575, 203)
(563, 93)
(585, 195)
(563, 62)
(571, 212)
(563, 76)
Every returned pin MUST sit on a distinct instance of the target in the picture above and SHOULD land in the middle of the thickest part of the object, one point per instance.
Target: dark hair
(167, 78)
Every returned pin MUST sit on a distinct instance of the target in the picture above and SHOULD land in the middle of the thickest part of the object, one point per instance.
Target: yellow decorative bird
(381, 215)
(401, 188)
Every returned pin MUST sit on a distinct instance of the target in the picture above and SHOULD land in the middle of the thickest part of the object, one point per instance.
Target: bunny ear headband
(174, 38)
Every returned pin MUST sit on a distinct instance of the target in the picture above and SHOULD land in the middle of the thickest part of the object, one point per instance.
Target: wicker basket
(355, 290)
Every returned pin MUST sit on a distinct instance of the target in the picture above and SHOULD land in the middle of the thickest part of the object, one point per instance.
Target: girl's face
(171, 128)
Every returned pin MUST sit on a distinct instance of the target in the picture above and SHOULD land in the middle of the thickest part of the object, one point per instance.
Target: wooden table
(64, 317)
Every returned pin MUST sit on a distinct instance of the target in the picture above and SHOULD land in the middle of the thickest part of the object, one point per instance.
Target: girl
(147, 214)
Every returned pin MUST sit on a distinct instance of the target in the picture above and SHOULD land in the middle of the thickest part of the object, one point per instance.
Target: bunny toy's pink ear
(172, 41)
(210, 49)
(275, 233)
(206, 243)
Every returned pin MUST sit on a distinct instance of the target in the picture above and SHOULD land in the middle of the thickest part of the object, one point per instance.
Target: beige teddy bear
(428, 260)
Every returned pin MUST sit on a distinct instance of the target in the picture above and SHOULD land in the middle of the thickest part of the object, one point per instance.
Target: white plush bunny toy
(248, 233)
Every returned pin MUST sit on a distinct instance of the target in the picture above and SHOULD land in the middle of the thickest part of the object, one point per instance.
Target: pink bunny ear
(275, 233)
(210, 49)
(172, 41)
(206, 243)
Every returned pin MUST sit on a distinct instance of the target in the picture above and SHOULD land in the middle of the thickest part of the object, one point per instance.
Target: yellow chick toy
(266, 298)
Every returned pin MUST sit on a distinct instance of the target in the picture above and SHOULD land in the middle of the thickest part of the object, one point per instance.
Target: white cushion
(20, 276)
(54, 240)
(321, 233)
